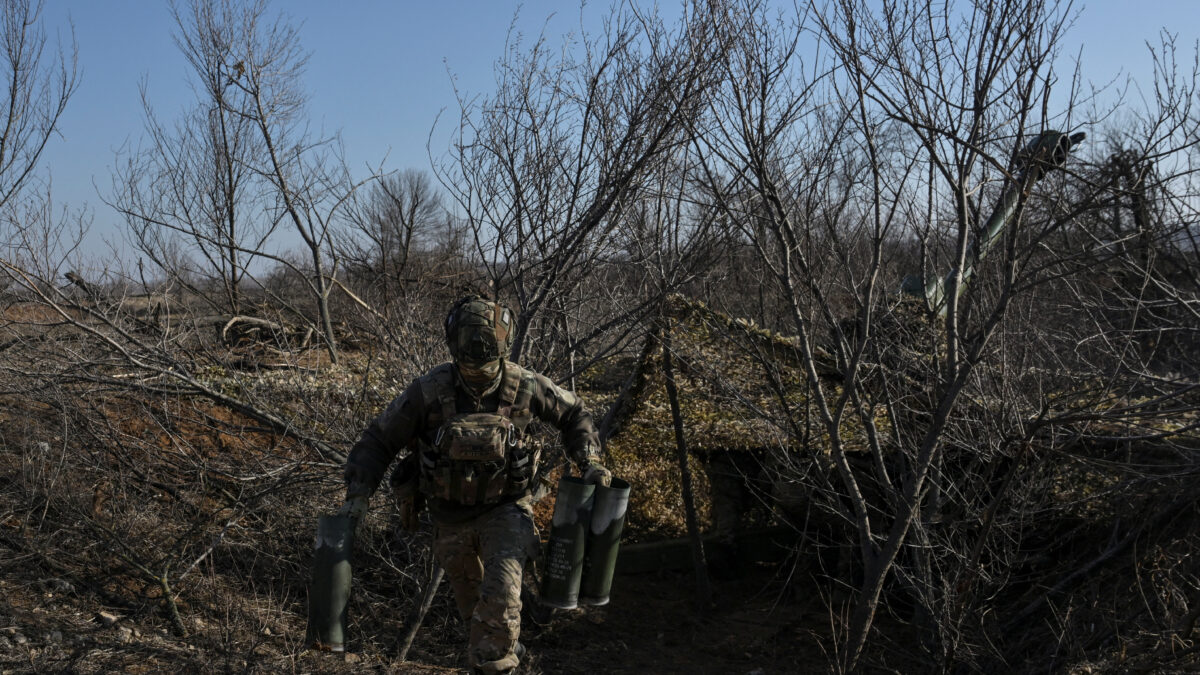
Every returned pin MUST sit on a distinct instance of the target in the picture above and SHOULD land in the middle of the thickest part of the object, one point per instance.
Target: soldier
(465, 424)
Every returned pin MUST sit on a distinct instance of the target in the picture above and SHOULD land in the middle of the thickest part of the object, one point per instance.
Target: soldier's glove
(595, 474)
(355, 506)
(356, 480)
(358, 493)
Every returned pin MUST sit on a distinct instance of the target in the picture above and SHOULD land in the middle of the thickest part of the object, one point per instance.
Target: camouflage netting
(733, 379)
(725, 368)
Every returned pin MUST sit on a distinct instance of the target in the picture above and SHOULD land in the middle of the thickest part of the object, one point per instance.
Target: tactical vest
(476, 458)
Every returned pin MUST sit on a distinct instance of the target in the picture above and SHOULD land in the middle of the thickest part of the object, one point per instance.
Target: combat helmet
(479, 335)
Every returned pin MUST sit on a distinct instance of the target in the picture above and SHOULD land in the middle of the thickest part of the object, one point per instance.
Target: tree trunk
(703, 589)
(323, 289)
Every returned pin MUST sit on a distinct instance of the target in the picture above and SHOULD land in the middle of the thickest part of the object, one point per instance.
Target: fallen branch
(251, 320)
(418, 615)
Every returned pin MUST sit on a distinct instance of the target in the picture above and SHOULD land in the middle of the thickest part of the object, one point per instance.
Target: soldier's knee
(499, 604)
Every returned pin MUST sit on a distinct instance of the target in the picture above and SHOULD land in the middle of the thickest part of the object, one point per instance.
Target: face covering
(479, 376)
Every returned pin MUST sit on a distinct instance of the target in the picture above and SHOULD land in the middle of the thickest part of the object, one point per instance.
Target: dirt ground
(650, 626)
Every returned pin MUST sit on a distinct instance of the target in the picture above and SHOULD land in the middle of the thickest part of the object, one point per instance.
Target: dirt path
(651, 626)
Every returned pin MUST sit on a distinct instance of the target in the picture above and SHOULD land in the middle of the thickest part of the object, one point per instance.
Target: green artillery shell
(330, 589)
(604, 537)
(564, 552)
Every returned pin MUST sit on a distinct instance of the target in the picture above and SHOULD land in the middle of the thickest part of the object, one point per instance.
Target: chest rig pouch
(481, 457)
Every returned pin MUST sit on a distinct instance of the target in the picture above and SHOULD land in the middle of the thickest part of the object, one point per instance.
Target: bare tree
(37, 89)
(308, 180)
(194, 182)
(544, 169)
(254, 156)
(390, 222)
(996, 453)
(910, 129)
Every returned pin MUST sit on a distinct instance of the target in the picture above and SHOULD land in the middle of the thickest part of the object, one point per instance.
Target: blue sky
(380, 72)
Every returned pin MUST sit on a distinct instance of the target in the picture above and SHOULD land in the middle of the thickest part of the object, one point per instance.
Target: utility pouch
(410, 507)
(409, 500)
(476, 437)
(476, 458)
(405, 476)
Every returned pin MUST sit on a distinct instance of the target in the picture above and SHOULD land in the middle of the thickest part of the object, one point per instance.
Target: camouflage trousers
(484, 559)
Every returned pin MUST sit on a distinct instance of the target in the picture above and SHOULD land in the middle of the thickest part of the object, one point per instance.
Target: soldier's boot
(504, 666)
(518, 651)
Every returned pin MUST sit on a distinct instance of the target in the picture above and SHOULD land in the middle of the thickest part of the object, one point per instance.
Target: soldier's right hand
(596, 474)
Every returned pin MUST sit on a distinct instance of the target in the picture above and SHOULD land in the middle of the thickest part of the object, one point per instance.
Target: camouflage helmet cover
(478, 330)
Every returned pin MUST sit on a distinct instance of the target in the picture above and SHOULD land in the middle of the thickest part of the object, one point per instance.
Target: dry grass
(107, 493)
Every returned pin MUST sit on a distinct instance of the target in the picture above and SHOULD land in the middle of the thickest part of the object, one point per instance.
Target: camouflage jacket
(412, 420)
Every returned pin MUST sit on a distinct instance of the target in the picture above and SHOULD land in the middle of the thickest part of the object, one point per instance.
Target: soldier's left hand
(354, 507)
